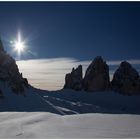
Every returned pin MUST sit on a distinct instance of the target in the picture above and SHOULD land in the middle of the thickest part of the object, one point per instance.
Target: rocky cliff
(97, 76)
(126, 79)
(73, 80)
(9, 73)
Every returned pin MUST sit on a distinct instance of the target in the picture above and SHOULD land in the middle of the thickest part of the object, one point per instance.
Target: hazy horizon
(49, 74)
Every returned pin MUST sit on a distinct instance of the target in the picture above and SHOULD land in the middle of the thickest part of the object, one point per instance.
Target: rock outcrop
(73, 80)
(10, 74)
(97, 76)
(1, 46)
(1, 94)
(126, 80)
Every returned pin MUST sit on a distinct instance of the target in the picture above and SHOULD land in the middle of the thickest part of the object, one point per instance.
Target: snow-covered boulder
(97, 76)
(73, 80)
(126, 79)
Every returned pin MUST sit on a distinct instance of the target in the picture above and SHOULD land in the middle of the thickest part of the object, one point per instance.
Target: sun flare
(19, 45)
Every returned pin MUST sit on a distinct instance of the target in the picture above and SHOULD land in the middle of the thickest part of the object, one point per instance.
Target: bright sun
(19, 45)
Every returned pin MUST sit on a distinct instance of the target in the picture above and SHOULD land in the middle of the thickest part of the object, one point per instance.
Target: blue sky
(72, 30)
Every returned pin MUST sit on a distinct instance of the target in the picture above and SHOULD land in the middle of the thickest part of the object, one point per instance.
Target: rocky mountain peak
(126, 79)
(73, 80)
(97, 75)
(9, 73)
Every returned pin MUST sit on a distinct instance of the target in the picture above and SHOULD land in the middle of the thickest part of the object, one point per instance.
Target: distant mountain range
(126, 79)
(96, 92)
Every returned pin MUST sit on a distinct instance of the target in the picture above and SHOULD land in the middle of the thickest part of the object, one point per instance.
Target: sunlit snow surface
(47, 125)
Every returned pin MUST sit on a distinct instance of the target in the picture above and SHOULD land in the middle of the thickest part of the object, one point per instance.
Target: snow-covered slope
(67, 102)
(47, 125)
(75, 102)
(31, 102)
(68, 114)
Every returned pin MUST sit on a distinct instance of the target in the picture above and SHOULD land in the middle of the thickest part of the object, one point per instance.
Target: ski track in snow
(57, 109)
(61, 110)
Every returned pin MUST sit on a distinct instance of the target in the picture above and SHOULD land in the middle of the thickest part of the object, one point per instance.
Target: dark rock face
(1, 46)
(73, 80)
(97, 76)
(126, 80)
(9, 73)
(1, 94)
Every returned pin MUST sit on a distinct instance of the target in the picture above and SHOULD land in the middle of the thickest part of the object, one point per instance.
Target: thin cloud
(131, 61)
(48, 73)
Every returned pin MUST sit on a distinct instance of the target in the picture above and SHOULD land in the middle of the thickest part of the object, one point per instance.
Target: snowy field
(69, 114)
(48, 125)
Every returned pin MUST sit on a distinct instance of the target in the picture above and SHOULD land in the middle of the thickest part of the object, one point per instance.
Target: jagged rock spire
(97, 75)
(126, 79)
(73, 80)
